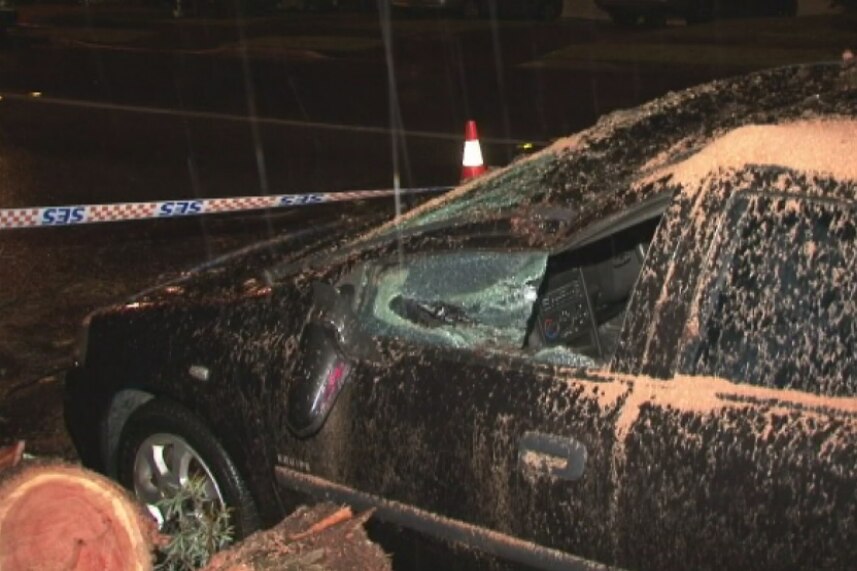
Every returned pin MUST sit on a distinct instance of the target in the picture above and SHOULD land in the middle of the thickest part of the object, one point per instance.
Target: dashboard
(586, 291)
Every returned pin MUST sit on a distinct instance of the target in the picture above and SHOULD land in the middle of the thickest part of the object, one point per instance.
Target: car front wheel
(164, 446)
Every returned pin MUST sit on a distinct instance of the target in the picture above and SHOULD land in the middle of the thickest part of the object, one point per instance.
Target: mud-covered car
(635, 348)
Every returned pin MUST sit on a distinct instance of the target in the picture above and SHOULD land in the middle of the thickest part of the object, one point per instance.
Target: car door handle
(560, 457)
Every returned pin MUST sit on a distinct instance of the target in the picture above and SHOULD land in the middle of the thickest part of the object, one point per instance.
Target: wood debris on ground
(325, 537)
(54, 515)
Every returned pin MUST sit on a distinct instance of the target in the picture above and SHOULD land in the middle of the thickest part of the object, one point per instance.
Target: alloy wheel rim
(166, 463)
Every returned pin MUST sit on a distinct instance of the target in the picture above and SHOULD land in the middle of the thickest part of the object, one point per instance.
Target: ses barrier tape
(94, 213)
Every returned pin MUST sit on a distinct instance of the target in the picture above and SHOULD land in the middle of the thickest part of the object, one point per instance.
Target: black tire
(168, 418)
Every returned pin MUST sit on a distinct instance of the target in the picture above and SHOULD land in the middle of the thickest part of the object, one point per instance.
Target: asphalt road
(134, 107)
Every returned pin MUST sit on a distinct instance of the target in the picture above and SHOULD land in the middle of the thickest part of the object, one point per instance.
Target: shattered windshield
(493, 197)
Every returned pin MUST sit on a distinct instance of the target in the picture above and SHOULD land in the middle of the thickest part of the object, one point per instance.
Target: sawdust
(540, 464)
(824, 146)
(657, 162)
(608, 394)
(707, 395)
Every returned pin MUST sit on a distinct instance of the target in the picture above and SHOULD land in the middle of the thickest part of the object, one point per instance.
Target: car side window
(778, 306)
(459, 299)
(567, 308)
(585, 297)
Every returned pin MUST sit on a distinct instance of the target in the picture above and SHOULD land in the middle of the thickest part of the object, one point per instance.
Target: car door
(466, 415)
(704, 461)
(748, 452)
(481, 432)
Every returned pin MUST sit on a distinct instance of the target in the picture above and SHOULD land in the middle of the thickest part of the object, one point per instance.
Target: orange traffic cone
(471, 164)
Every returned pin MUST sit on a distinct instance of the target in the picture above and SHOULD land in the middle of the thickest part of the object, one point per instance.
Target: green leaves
(198, 527)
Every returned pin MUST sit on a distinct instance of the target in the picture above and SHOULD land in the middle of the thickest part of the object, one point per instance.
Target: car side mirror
(322, 367)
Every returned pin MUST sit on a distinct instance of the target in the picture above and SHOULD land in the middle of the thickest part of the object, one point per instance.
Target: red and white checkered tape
(243, 203)
(95, 213)
(127, 211)
(360, 194)
(19, 217)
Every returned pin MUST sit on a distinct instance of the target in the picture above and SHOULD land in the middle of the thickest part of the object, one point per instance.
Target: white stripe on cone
(472, 154)
(472, 164)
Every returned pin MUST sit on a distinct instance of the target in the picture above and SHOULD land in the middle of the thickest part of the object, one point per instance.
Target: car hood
(247, 272)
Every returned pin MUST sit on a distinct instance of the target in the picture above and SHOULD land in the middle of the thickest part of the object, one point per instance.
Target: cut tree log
(322, 538)
(55, 516)
(58, 516)
(11, 456)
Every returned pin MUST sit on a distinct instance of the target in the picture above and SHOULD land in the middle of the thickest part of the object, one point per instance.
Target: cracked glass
(457, 299)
